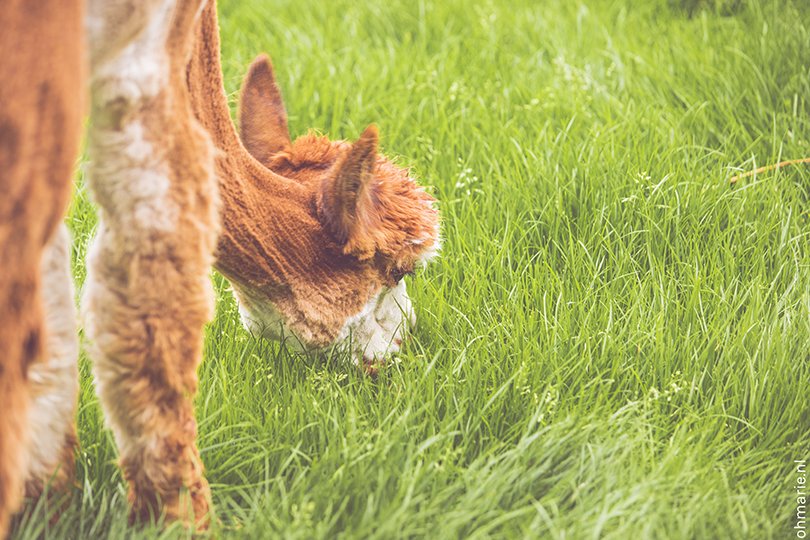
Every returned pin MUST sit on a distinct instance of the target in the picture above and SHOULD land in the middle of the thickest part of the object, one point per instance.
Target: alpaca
(317, 234)
(151, 171)
(41, 109)
(320, 245)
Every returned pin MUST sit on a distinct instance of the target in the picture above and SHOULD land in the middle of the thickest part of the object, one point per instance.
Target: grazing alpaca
(320, 247)
(317, 235)
(388, 222)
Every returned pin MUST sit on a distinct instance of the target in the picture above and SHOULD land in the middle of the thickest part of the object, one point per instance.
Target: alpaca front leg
(147, 294)
(146, 350)
(146, 300)
(53, 378)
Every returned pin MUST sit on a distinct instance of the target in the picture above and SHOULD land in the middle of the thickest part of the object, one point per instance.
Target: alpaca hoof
(372, 366)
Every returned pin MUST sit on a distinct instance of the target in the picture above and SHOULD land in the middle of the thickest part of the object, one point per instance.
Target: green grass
(614, 343)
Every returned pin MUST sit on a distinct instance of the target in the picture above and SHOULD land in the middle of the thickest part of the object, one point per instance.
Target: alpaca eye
(399, 273)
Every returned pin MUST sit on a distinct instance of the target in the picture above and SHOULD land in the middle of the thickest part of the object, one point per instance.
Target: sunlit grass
(614, 342)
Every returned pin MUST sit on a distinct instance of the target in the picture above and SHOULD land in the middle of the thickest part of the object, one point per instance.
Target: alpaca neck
(261, 211)
(204, 74)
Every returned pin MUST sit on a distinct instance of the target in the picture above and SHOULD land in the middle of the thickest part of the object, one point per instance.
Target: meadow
(615, 341)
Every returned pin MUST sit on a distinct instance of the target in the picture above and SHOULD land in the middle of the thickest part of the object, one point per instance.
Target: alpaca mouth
(382, 333)
(374, 333)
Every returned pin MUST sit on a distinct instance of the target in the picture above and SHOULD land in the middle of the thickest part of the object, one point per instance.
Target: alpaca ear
(347, 204)
(262, 118)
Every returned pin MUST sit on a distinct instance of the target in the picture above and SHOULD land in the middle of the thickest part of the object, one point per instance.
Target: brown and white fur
(151, 171)
(41, 111)
(319, 245)
(147, 294)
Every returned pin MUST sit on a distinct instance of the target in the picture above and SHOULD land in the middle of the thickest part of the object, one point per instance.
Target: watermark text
(801, 498)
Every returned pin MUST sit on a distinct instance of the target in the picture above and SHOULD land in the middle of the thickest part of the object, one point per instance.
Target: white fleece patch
(128, 71)
(434, 250)
(128, 173)
(378, 330)
(131, 183)
(258, 314)
(54, 380)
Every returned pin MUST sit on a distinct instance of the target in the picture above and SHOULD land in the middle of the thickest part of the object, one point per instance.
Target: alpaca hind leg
(19, 336)
(53, 379)
(41, 108)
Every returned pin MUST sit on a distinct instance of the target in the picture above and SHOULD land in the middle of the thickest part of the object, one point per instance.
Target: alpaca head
(382, 222)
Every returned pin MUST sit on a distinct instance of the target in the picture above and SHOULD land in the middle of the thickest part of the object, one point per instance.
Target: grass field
(615, 341)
